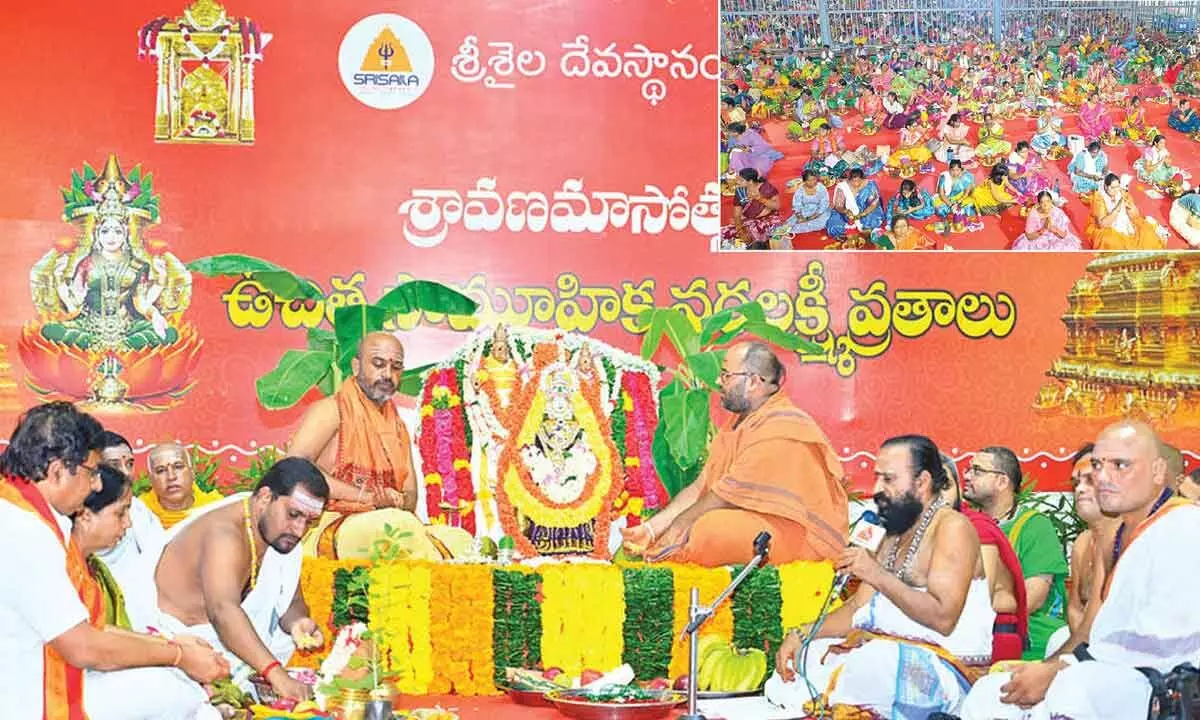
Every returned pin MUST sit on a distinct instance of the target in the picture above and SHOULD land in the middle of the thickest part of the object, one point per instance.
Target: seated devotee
(1189, 487)
(1088, 168)
(994, 195)
(1154, 166)
(1185, 217)
(895, 116)
(145, 535)
(103, 520)
(911, 202)
(912, 152)
(173, 492)
(903, 236)
(1047, 228)
(59, 655)
(870, 107)
(1025, 174)
(731, 112)
(230, 575)
(770, 469)
(1002, 569)
(992, 144)
(827, 149)
(1143, 621)
(908, 642)
(1090, 558)
(1094, 120)
(749, 150)
(810, 205)
(357, 438)
(1183, 118)
(1116, 223)
(991, 482)
(954, 188)
(856, 206)
(755, 212)
(952, 141)
(1049, 135)
(1134, 126)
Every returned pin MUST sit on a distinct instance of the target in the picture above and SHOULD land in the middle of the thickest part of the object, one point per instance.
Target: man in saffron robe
(771, 469)
(357, 438)
(1145, 617)
(173, 493)
(58, 659)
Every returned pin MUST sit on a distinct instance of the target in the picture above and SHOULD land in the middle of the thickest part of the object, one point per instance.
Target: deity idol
(107, 303)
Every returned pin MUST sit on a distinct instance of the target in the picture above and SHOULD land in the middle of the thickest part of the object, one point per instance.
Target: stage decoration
(205, 81)
(9, 400)
(554, 428)
(110, 329)
(454, 628)
(1132, 334)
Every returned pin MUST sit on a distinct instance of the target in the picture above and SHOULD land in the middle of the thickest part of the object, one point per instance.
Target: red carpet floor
(999, 232)
(483, 708)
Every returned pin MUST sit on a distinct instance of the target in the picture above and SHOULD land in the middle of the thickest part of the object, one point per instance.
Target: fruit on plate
(681, 683)
(531, 680)
(589, 676)
(658, 684)
(725, 668)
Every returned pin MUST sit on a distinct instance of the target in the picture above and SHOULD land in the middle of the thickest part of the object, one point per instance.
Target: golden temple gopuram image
(1133, 341)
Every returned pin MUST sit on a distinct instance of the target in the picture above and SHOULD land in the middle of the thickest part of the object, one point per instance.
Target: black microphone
(865, 533)
(761, 542)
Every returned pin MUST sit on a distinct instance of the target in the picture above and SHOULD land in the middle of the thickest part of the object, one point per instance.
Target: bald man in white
(1148, 616)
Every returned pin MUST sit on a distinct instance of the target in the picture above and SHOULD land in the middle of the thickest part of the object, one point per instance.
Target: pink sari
(1037, 235)
(1094, 121)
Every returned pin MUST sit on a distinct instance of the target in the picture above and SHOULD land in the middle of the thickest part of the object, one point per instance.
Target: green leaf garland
(350, 596)
(517, 633)
(649, 616)
(756, 607)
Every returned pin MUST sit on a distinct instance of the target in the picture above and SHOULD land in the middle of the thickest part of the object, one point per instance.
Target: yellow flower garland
(399, 605)
(711, 582)
(802, 588)
(460, 627)
(575, 640)
(316, 586)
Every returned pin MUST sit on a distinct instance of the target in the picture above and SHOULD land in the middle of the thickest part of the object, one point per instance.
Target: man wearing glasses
(991, 482)
(770, 469)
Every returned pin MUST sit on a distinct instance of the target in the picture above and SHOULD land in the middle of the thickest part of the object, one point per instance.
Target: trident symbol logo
(386, 52)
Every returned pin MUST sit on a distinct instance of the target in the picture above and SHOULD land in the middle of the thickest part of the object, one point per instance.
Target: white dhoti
(1179, 218)
(275, 588)
(893, 678)
(1148, 619)
(151, 693)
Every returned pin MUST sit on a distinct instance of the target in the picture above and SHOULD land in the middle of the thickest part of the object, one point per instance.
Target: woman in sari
(1024, 173)
(98, 527)
(994, 195)
(1094, 120)
(904, 236)
(755, 212)
(1048, 135)
(894, 116)
(954, 191)
(991, 138)
(1135, 127)
(856, 206)
(1154, 166)
(910, 202)
(1184, 119)
(827, 149)
(870, 106)
(810, 205)
(1047, 228)
(952, 139)
(1185, 217)
(1116, 223)
(749, 151)
(1087, 168)
(912, 150)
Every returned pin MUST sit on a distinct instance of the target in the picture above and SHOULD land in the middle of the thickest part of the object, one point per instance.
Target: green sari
(114, 599)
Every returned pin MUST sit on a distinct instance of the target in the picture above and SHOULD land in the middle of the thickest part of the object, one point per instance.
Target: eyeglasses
(976, 470)
(725, 374)
(92, 471)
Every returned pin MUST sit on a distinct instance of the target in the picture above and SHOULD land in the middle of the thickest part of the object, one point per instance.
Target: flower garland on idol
(446, 458)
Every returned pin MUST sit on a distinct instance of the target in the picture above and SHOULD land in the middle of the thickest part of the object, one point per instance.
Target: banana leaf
(412, 380)
(297, 372)
(685, 417)
(351, 324)
(706, 367)
(428, 296)
(279, 281)
(319, 339)
(672, 324)
(786, 340)
(714, 332)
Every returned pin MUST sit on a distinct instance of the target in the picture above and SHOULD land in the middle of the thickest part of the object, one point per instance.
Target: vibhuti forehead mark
(307, 502)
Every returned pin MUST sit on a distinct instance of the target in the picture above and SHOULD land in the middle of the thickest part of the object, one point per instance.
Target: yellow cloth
(170, 518)
(360, 536)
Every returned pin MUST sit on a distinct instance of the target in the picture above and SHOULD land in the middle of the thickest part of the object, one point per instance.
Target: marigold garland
(399, 601)
(316, 587)
(574, 639)
(710, 581)
(803, 588)
(460, 613)
(649, 615)
(445, 451)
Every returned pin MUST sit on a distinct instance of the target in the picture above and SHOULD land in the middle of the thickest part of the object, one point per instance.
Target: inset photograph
(951, 125)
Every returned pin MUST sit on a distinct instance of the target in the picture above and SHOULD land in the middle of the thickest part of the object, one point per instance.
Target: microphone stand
(699, 614)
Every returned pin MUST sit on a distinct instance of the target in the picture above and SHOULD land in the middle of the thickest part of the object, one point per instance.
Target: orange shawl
(62, 683)
(776, 461)
(373, 447)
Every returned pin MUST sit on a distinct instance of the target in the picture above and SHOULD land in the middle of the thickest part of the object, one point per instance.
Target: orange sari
(62, 683)
(373, 447)
(777, 472)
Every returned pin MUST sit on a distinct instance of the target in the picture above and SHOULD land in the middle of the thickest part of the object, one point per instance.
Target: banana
(704, 679)
(752, 668)
(706, 645)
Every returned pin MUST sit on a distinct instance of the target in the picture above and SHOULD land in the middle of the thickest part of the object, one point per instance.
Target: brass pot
(352, 704)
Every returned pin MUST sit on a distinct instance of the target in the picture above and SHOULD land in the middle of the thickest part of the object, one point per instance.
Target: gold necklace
(253, 546)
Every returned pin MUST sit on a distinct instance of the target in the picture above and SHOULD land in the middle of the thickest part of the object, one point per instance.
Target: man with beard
(770, 469)
(230, 574)
(909, 640)
(1146, 618)
(991, 483)
(359, 441)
